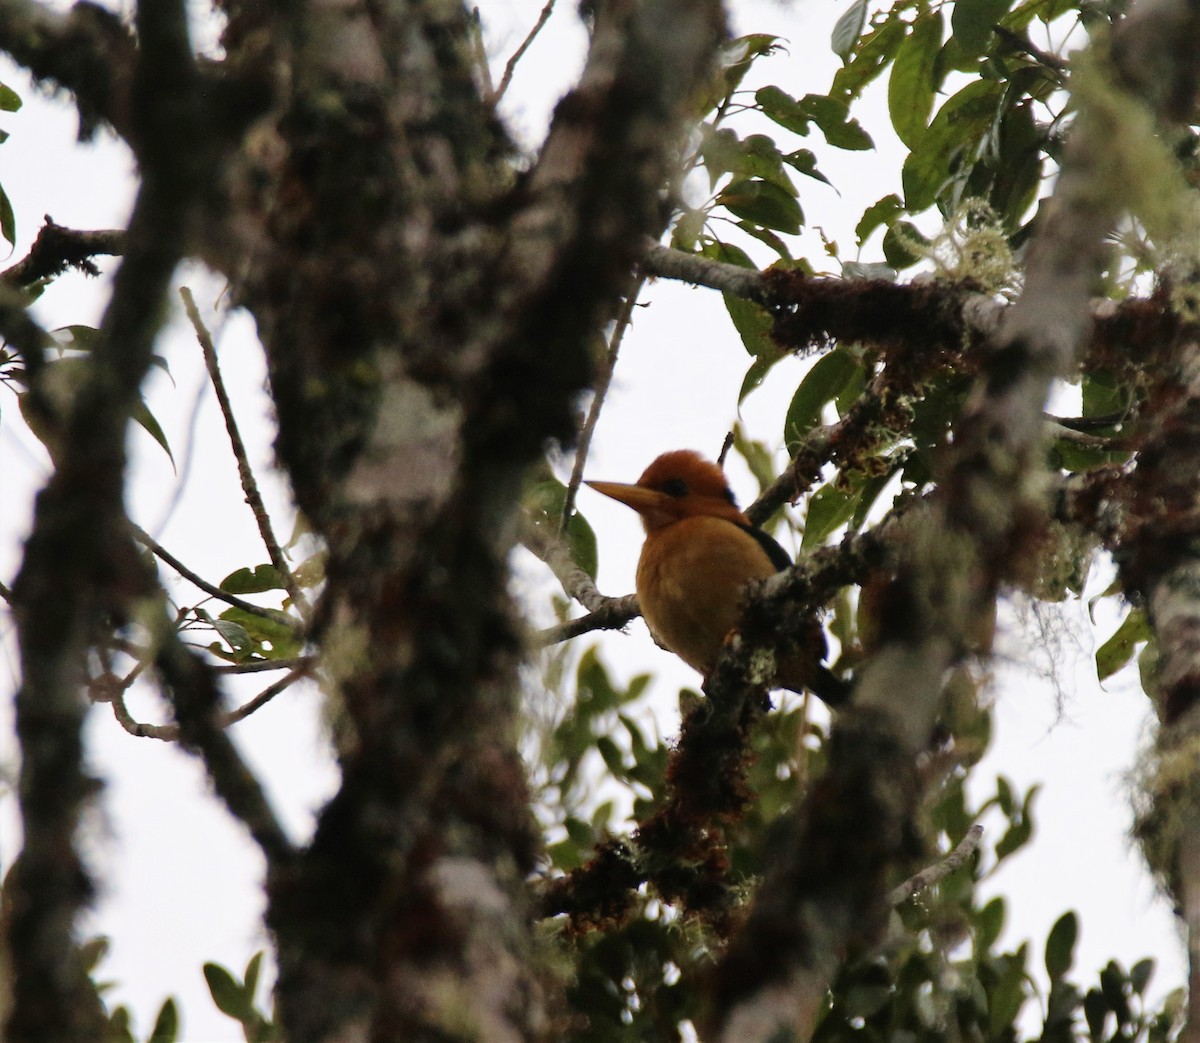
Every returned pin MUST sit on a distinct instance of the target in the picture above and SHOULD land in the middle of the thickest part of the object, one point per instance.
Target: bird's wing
(779, 557)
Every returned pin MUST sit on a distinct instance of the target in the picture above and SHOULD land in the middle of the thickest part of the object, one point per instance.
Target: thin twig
(191, 688)
(612, 615)
(211, 589)
(171, 733)
(266, 695)
(575, 581)
(603, 381)
(265, 666)
(245, 471)
(933, 874)
(511, 67)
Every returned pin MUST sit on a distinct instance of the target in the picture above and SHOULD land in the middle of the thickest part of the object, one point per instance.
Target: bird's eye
(674, 487)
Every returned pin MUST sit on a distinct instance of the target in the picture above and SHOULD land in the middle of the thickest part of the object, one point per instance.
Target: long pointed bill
(642, 500)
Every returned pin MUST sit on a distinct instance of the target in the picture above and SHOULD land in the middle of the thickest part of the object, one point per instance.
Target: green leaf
(1140, 974)
(756, 374)
(75, 338)
(1095, 1011)
(271, 639)
(780, 107)
(1008, 995)
(989, 923)
(754, 325)
(764, 203)
(228, 993)
(687, 229)
(311, 570)
(1113, 984)
(956, 129)
(973, 21)
(875, 51)
(910, 88)
(756, 156)
(596, 692)
(8, 220)
(235, 636)
(565, 854)
(166, 1025)
(10, 100)
(1004, 796)
(247, 581)
(141, 413)
(544, 503)
(93, 951)
(739, 55)
(1104, 394)
(1015, 838)
(880, 213)
(871, 491)
(579, 831)
(765, 235)
(1060, 945)
(752, 322)
(832, 115)
(848, 29)
(806, 163)
(610, 753)
(897, 244)
(1118, 649)
(251, 975)
(828, 508)
(821, 384)
(118, 1030)
(1018, 165)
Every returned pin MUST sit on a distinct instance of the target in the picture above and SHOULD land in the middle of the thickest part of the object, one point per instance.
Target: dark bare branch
(68, 587)
(211, 589)
(56, 249)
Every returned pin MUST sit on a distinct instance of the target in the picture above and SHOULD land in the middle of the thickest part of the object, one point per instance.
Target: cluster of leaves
(232, 995)
(66, 365)
(236, 997)
(940, 974)
(10, 101)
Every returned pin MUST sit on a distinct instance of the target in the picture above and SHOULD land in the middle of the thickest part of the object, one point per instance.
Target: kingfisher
(699, 555)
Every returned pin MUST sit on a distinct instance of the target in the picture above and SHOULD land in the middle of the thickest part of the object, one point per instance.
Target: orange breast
(691, 579)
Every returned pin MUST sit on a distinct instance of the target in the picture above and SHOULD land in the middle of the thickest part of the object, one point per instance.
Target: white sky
(180, 884)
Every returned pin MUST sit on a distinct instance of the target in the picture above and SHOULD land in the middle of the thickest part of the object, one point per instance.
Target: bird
(699, 555)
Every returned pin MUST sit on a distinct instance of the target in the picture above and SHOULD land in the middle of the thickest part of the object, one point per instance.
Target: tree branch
(773, 977)
(667, 263)
(245, 471)
(190, 686)
(599, 393)
(511, 66)
(57, 248)
(68, 587)
(938, 872)
(88, 51)
(211, 589)
(174, 732)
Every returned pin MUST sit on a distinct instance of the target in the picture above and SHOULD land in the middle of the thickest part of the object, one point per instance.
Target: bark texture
(426, 307)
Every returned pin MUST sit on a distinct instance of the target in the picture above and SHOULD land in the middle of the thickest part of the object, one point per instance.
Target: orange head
(679, 484)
